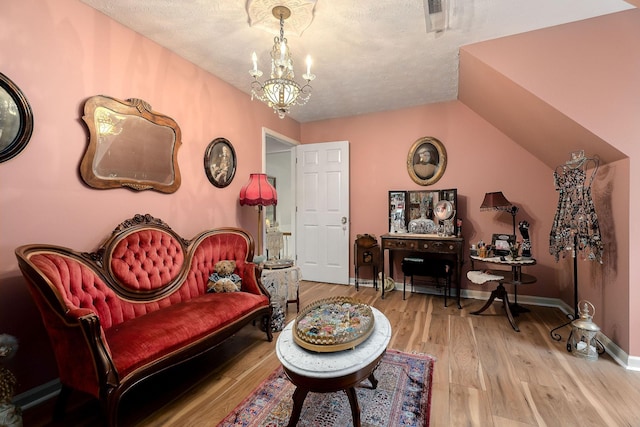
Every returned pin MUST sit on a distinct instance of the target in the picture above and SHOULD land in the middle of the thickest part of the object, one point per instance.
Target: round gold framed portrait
(427, 160)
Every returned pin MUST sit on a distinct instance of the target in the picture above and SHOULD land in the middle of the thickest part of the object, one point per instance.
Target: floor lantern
(583, 340)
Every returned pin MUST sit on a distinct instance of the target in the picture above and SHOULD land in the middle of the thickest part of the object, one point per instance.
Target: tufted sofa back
(143, 266)
(146, 260)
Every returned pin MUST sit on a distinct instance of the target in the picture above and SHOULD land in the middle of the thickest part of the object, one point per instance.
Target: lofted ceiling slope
(558, 90)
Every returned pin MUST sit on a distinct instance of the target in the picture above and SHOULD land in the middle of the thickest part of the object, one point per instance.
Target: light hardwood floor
(486, 374)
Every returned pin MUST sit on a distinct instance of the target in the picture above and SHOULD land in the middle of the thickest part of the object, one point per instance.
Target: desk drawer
(441, 247)
(410, 245)
(436, 246)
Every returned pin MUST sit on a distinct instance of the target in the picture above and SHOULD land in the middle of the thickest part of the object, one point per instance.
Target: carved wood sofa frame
(138, 304)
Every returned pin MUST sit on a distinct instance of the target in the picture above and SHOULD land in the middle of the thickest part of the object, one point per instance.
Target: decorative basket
(333, 324)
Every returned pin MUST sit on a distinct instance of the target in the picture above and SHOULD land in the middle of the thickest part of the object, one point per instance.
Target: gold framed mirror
(130, 146)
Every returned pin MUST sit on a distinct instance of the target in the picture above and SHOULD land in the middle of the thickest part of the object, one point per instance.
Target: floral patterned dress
(576, 215)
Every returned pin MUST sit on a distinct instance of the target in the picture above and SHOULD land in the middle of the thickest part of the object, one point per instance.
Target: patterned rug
(402, 398)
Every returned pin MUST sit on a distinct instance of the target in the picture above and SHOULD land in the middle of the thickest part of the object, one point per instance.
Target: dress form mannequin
(575, 226)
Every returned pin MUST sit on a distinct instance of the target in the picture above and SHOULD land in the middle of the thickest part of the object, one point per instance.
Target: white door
(322, 216)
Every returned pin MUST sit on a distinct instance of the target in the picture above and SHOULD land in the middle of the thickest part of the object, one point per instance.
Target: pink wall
(480, 160)
(578, 83)
(61, 52)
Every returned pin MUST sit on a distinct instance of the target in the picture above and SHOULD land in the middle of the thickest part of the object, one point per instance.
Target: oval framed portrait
(220, 162)
(427, 160)
(16, 119)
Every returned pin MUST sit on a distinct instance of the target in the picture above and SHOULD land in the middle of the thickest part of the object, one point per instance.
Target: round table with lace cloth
(283, 285)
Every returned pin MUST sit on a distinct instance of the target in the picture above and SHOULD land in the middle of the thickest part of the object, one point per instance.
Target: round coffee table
(330, 372)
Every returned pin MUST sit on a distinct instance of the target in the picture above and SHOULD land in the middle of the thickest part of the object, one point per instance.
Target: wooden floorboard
(485, 374)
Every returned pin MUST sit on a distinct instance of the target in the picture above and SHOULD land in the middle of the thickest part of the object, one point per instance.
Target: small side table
(328, 372)
(285, 282)
(366, 253)
(514, 277)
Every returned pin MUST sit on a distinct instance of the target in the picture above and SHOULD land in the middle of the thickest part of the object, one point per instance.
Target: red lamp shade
(258, 192)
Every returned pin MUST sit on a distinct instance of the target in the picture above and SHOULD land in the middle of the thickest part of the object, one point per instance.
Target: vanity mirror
(397, 211)
(130, 146)
(421, 212)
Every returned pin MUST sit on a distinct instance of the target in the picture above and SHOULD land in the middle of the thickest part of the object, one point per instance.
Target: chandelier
(281, 92)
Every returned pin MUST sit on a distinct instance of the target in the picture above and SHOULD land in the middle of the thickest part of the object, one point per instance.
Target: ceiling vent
(434, 6)
(436, 15)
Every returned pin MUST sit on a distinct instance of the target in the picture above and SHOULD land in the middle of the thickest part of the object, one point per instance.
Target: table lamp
(497, 202)
(258, 192)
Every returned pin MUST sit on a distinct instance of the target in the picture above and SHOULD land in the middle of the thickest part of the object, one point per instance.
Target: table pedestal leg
(373, 380)
(501, 293)
(355, 408)
(301, 393)
(298, 399)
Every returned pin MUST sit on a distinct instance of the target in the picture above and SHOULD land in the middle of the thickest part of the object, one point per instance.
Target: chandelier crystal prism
(281, 91)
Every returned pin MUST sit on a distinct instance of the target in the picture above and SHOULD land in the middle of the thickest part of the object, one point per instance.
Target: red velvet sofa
(138, 304)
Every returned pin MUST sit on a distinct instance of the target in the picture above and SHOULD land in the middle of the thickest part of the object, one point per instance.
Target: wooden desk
(429, 246)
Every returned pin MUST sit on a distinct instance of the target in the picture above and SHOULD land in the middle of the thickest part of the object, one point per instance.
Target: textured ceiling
(368, 56)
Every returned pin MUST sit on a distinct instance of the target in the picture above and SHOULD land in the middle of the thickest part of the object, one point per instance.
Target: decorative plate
(443, 210)
(333, 324)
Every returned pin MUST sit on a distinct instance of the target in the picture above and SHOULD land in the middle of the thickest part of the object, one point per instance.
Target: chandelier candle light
(281, 92)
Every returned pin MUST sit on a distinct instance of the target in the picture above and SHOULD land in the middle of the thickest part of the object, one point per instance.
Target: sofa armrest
(99, 348)
(75, 314)
(90, 362)
(250, 281)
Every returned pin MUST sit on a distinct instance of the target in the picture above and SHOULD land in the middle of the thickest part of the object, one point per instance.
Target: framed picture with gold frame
(427, 160)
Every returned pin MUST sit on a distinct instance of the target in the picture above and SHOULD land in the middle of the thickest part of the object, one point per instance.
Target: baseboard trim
(631, 363)
(37, 395)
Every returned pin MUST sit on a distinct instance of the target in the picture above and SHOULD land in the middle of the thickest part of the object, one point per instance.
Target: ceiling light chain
(281, 92)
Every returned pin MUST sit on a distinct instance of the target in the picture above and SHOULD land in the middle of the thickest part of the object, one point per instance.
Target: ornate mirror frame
(427, 161)
(16, 119)
(130, 146)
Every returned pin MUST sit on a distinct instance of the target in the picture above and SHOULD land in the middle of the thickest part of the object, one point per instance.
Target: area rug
(402, 398)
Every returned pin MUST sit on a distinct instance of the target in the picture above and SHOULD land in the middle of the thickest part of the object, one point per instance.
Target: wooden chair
(366, 253)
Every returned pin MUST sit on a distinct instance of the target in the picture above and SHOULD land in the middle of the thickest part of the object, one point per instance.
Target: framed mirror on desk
(417, 220)
(434, 206)
(397, 211)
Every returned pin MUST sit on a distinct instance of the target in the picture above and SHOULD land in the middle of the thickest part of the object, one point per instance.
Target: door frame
(266, 132)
